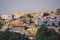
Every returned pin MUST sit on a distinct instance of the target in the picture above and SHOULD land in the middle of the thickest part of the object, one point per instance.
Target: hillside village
(28, 22)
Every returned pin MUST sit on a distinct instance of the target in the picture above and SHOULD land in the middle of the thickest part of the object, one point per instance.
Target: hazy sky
(11, 6)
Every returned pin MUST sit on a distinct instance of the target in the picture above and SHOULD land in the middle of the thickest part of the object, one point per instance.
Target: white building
(6, 17)
(58, 17)
(40, 22)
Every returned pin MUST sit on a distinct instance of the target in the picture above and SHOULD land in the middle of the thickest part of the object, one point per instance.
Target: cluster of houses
(51, 22)
(26, 21)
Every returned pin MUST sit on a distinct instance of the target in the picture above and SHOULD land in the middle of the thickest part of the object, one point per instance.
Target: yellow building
(35, 21)
(31, 31)
(15, 23)
(18, 14)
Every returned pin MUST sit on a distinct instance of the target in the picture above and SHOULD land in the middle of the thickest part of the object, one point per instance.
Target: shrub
(6, 35)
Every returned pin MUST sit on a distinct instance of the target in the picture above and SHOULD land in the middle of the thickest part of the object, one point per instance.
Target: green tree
(7, 35)
(29, 16)
(58, 36)
(22, 17)
(40, 33)
(44, 33)
(13, 17)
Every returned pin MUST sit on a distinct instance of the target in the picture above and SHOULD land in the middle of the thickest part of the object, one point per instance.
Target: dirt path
(56, 28)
